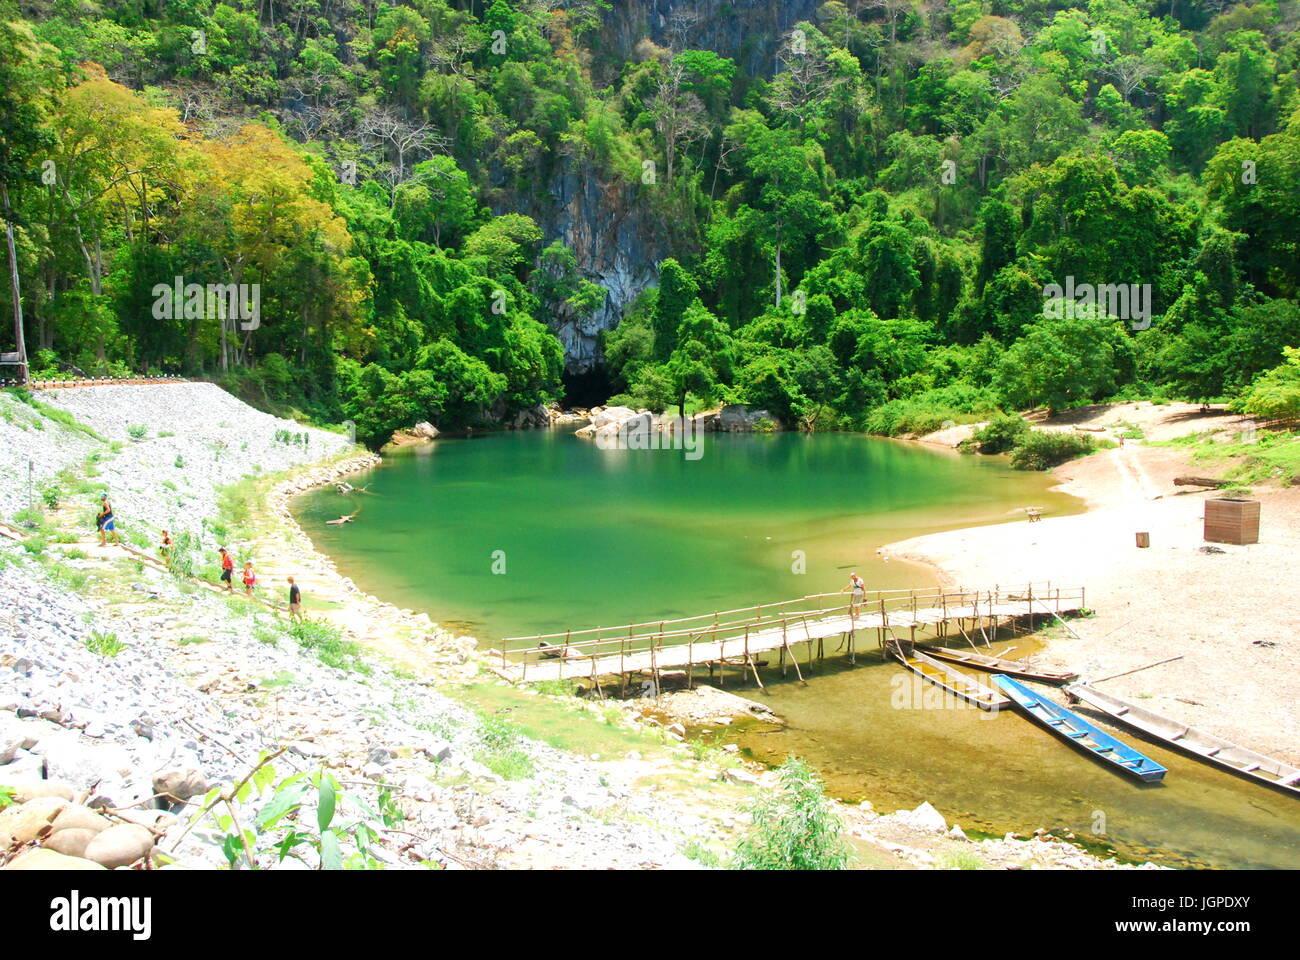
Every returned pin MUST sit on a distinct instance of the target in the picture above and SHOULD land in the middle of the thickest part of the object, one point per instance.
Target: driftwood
(1197, 482)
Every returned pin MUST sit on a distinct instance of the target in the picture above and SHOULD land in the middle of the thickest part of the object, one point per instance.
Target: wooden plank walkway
(738, 636)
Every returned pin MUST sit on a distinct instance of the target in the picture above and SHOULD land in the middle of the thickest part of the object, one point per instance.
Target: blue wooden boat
(1078, 732)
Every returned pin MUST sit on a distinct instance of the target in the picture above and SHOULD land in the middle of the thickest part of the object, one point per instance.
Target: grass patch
(1273, 456)
(502, 750)
(565, 725)
(961, 860)
(327, 643)
(57, 414)
(282, 678)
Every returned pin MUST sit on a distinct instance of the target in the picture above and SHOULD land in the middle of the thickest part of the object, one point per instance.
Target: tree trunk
(15, 283)
(778, 268)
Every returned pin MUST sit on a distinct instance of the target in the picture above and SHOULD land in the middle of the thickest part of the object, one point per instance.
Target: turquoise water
(539, 531)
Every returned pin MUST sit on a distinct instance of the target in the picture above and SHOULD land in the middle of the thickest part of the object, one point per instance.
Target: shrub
(137, 431)
(51, 495)
(998, 436)
(1275, 395)
(794, 828)
(928, 411)
(1044, 449)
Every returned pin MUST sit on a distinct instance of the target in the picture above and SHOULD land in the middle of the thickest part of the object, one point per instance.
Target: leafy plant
(104, 644)
(306, 816)
(794, 827)
(137, 431)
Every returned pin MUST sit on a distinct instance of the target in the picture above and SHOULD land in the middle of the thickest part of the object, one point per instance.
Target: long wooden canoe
(1079, 733)
(982, 661)
(1195, 743)
(950, 679)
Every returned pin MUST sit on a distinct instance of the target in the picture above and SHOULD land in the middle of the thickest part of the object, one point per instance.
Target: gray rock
(24, 766)
(15, 736)
(437, 750)
(180, 784)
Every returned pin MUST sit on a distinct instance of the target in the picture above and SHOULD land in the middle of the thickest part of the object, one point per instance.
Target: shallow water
(533, 532)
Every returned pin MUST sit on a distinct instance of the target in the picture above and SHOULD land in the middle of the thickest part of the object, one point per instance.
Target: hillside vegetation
(887, 223)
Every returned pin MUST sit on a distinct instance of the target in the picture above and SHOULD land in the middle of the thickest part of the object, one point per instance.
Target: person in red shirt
(227, 569)
(250, 578)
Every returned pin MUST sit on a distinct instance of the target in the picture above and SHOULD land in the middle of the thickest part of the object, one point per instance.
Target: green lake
(539, 531)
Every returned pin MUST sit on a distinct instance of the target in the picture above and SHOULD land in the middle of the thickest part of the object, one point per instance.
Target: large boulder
(41, 859)
(742, 418)
(535, 417)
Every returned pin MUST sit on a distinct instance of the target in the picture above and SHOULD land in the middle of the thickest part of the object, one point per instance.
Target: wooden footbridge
(738, 637)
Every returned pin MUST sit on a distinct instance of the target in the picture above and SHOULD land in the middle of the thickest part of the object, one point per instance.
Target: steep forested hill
(883, 213)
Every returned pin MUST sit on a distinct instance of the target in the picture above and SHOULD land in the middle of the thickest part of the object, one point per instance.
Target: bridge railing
(599, 643)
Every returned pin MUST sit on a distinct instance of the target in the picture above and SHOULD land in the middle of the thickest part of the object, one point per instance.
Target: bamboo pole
(1148, 666)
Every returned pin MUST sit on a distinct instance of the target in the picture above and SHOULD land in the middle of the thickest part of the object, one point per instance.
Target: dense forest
(879, 215)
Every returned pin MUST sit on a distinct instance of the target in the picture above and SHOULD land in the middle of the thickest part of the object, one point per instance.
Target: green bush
(928, 411)
(1044, 449)
(794, 827)
(998, 436)
(137, 431)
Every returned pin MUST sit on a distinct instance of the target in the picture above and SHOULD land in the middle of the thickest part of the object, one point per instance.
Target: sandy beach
(1231, 615)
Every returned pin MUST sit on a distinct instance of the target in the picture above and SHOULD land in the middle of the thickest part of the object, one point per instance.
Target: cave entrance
(587, 389)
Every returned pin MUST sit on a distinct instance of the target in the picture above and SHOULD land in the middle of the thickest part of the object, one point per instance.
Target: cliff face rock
(609, 225)
(610, 230)
(748, 31)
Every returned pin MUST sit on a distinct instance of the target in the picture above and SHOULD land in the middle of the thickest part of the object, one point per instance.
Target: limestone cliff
(616, 238)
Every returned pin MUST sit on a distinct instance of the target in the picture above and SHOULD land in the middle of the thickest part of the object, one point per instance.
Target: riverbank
(119, 681)
(1227, 611)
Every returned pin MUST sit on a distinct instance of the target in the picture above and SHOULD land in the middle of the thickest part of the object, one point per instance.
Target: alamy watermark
(1121, 301)
(644, 432)
(196, 301)
(75, 913)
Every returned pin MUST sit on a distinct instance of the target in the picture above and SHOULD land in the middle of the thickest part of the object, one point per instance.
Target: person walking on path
(104, 521)
(250, 578)
(858, 587)
(165, 548)
(227, 570)
(295, 601)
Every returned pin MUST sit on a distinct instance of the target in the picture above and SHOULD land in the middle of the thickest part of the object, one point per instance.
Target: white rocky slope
(205, 685)
(215, 438)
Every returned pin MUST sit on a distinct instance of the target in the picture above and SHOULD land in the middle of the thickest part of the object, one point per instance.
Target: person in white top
(859, 588)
